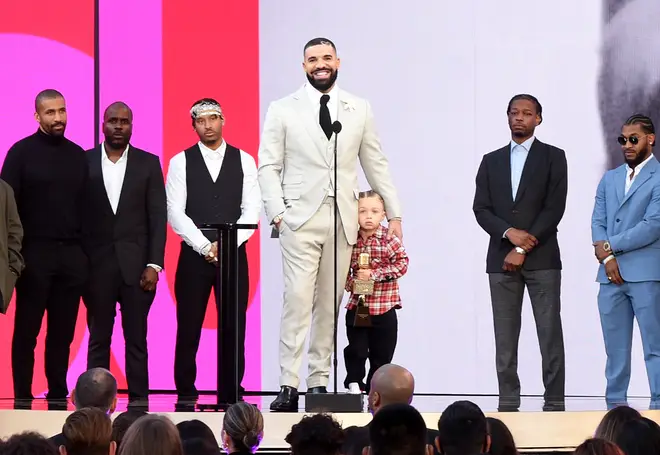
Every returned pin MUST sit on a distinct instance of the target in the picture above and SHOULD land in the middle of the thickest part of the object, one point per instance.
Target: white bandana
(205, 108)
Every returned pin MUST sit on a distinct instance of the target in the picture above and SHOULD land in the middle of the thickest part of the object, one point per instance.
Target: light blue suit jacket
(631, 222)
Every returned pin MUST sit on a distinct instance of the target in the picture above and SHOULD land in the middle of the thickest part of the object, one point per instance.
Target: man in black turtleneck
(48, 173)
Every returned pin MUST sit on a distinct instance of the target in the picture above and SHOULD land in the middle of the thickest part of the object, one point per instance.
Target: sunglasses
(634, 140)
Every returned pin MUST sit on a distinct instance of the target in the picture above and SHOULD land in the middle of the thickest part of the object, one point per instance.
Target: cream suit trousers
(308, 261)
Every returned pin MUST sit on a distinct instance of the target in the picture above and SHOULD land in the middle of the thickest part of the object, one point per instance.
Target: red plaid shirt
(389, 262)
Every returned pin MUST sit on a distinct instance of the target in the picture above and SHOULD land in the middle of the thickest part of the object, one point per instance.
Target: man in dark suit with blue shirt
(519, 201)
(625, 229)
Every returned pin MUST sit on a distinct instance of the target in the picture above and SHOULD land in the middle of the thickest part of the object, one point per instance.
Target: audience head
(242, 428)
(597, 446)
(390, 384)
(501, 439)
(318, 434)
(199, 446)
(88, 431)
(462, 430)
(122, 423)
(153, 435)
(639, 437)
(96, 388)
(397, 429)
(28, 443)
(610, 426)
(196, 429)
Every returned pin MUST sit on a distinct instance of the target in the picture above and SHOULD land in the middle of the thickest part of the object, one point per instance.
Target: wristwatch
(520, 250)
(607, 247)
(277, 219)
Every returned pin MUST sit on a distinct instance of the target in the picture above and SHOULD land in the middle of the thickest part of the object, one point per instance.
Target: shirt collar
(380, 233)
(210, 153)
(124, 154)
(639, 167)
(315, 95)
(526, 145)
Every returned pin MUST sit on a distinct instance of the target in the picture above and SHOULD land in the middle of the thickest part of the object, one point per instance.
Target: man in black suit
(125, 226)
(519, 201)
(391, 384)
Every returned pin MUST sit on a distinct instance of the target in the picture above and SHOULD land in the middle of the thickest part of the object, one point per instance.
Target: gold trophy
(362, 288)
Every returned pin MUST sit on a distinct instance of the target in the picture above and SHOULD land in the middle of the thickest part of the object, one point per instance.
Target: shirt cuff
(504, 235)
(157, 268)
(204, 250)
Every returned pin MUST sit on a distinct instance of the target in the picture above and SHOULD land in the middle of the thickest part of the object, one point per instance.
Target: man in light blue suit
(625, 229)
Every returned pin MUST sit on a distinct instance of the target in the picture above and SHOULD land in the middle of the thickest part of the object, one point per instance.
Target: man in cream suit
(296, 176)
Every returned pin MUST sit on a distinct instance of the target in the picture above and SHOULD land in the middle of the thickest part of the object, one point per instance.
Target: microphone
(336, 127)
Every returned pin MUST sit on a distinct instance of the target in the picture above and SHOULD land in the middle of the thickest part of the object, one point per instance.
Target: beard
(637, 160)
(325, 85)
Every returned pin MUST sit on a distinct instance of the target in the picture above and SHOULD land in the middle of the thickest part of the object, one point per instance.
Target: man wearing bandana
(296, 176)
(210, 182)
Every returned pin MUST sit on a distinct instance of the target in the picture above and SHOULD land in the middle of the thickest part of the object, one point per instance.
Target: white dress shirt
(631, 174)
(113, 180)
(315, 98)
(519, 154)
(177, 196)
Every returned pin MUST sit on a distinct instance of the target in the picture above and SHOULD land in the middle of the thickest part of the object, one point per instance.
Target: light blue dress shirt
(519, 154)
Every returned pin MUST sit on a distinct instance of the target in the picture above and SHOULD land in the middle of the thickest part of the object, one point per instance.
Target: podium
(227, 392)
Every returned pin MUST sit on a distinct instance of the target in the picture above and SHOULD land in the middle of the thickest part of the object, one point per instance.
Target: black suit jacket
(357, 438)
(538, 208)
(136, 233)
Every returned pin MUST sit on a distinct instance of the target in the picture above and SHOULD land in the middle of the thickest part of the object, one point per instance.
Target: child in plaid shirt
(389, 262)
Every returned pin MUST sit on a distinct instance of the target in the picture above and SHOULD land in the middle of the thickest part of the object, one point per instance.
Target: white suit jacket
(296, 161)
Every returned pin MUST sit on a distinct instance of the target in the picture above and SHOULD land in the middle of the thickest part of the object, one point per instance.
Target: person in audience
(463, 430)
(95, 388)
(610, 427)
(501, 439)
(122, 423)
(152, 435)
(639, 437)
(391, 384)
(28, 443)
(196, 429)
(398, 429)
(242, 428)
(318, 434)
(596, 446)
(88, 431)
(198, 446)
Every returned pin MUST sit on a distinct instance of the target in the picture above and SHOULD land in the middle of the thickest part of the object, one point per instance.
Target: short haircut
(87, 431)
(318, 434)
(48, 94)
(122, 423)
(644, 122)
(28, 443)
(462, 428)
(96, 388)
(398, 429)
(531, 98)
(319, 42)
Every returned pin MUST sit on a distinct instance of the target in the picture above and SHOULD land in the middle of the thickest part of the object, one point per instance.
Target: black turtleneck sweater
(48, 176)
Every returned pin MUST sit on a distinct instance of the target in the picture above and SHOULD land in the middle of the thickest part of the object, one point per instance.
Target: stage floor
(533, 430)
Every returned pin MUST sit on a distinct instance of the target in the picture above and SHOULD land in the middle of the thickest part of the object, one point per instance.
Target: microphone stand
(335, 402)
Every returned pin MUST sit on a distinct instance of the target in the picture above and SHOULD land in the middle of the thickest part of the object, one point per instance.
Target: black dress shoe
(315, 390)
(554, 406)
(286, 401)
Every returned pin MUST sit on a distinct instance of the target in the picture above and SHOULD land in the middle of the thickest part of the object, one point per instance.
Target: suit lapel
(620, 184)
(310, 119)
(534, 157)
(645, 174)
(129, 176)
(503, 163)
(96, 177)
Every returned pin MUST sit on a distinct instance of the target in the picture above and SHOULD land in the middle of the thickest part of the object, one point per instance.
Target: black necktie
(324, 116)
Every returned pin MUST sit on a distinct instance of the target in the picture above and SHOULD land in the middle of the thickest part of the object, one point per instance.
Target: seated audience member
(597, 446)
(152, 435)
(28, 443)
(88, 431)
(196, 429)
(122, 422)
(95, 388)
(398, 429)
(501, 439)
(242, 428)
(462, 430)
(198, 446)
(639, 437)
(610, 426)
(318, 434)
(391, 384)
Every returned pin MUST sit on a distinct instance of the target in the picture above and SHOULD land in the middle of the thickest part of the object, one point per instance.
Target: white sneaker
(354, 388)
